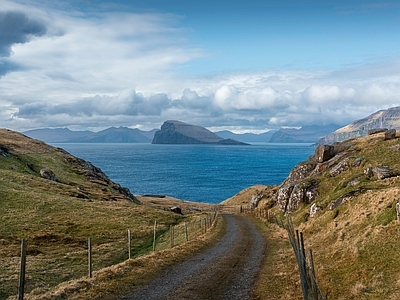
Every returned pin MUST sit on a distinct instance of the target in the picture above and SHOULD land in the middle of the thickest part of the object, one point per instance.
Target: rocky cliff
(177, 132)
(389, 118)
(356, 164)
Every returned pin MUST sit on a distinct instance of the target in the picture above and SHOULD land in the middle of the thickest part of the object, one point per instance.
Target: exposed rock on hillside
(389, 119)
(337, 160)
(176, 132)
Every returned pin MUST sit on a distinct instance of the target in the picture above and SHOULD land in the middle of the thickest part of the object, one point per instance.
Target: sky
(244, 66)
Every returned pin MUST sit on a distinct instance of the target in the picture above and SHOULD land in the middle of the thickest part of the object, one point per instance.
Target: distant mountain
(57, 135)
(118, 135)
(389, 118)
(110, 135)
(177, 132)
(306, 134)
(247, 137)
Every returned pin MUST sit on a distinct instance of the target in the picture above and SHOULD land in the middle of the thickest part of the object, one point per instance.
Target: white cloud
(111, 69)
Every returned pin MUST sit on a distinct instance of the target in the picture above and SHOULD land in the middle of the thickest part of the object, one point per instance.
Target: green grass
(57, 221)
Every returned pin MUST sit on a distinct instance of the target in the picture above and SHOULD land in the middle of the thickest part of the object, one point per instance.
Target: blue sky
(237, 65)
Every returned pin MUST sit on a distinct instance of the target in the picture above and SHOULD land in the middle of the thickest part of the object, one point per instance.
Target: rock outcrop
(48, 174)
(177, 132)
(337, 160)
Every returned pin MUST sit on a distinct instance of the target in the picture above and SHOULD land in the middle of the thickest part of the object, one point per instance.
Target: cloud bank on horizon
(243, 67)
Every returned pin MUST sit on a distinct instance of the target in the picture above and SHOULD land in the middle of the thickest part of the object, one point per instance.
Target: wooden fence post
(154, 235)
(21, 283)
(186, 232)
(313, 278)
(129, 244)
(171, 229)
(90, 257)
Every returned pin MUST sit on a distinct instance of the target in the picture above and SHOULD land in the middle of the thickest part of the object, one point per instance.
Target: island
(177, 132)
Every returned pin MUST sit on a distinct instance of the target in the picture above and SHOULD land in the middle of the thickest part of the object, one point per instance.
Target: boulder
(324, 153)
(291, 196)
(357, 162)
(398, 210)
(176, 210)
(377, 130)
(340, 168)
(381, 172)
(314, 209)
(300, 172)
(4, 151)
(346, 197)
(256, 198)
(48, 174)
(390, 134)
(283, 196)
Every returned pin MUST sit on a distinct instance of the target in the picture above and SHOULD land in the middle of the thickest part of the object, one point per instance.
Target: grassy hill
(355, 244)
(58, 216)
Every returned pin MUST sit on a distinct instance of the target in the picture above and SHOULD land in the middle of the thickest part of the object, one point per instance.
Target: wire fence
(98, 256)
(309, 284)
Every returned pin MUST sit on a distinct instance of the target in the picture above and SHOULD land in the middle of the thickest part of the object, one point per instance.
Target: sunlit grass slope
(57, 217)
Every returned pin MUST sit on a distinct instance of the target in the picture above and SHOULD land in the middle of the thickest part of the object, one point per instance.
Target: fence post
(171, 229)
(186, 232)
(154, 235)
(313, 279)
(90, 257)
(129, 244)
(21, 283)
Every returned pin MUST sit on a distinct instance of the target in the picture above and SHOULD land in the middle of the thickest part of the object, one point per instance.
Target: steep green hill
(57, 201)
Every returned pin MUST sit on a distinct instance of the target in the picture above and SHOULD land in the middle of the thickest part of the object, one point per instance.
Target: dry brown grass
(58, 217)
(129, 275)
(278, 277)
(244, 196)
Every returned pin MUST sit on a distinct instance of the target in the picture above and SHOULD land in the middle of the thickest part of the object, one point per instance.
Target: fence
(162, 239)
(309, 284)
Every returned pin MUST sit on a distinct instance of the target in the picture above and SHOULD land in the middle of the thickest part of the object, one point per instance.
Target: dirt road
(225, 271)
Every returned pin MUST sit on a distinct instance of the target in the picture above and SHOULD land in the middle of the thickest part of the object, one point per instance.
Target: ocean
(200, 173)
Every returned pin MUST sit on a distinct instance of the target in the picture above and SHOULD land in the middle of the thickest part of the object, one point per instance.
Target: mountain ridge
(385, 118)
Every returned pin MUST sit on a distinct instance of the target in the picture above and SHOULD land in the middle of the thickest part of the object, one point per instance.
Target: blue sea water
(201, 173)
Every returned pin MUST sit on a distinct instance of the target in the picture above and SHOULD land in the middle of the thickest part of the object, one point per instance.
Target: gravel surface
(225, 271)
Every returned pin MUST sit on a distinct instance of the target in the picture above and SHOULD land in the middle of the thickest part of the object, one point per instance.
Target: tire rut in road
(225, 271)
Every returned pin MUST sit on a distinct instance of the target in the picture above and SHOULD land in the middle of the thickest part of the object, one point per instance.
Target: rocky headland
(177, 132)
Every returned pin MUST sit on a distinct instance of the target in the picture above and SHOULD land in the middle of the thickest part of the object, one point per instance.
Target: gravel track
(227, 270)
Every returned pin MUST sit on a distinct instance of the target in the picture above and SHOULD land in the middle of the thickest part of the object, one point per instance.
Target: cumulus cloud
(121, 68)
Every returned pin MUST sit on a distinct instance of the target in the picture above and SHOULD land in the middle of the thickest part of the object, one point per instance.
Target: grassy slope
(355, 246)
(57, 217)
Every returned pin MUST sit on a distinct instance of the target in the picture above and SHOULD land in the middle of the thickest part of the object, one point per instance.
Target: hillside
(389, 118)
(177, 132)
(56, 201)
(344, 201)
